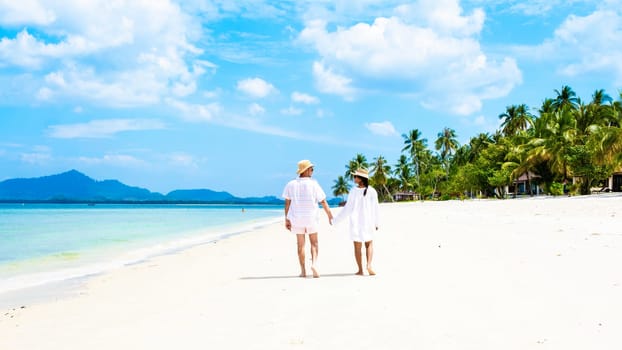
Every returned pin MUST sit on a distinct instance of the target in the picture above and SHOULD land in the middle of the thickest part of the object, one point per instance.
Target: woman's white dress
(363, 212)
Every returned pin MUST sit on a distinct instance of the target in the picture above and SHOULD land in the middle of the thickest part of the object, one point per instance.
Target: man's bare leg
(369, 250)
(314, 251)
(358, 255)
(301, 254)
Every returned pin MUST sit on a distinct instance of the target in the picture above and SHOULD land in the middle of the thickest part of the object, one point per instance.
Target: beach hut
(527, 183)
(405, 196)
(611, 184)
(615, 181)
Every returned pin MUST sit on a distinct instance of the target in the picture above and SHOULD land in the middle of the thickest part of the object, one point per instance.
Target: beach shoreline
(41, 287)
(516, 274)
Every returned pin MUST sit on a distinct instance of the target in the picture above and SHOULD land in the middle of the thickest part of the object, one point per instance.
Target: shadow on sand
(292, 276)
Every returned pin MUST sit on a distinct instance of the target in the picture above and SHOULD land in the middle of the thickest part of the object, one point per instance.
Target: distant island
(75, 187)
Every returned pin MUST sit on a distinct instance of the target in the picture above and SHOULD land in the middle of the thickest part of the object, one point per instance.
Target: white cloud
(327, 81)
(584, 44)
(246, 8)
(426, 49)
(486, 124)
(124, 160)
(385, 128)
(194, 112)
(36, 157)
(291, 111)
(212, 94)
(102, 128)
(480, 120)
(126, 53)
(184, 160)
(300, 97)
(16, 13)
(255, 87)
(256, 109)
(442, 16)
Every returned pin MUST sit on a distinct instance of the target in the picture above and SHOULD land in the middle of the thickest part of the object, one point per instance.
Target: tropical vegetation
(567, 145)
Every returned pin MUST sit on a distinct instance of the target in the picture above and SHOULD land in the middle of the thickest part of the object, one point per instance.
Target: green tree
(478, 144)
(566, 98)
(516, 119)
(581, 159)
(380, 176)
(403, 173)
(555, 134)
(341, 187)
(446, 144)
(416, 147)
(358, 162)
(605, 139)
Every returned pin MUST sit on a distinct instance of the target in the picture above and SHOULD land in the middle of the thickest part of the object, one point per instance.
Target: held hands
(288, 225)
(330, 217)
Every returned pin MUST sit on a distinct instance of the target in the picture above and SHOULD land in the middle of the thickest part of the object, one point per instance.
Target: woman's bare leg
(358, 255)
(301, 254)
(314, 251)
(369, 249)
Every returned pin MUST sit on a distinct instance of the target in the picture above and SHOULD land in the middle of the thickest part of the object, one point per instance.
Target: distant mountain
(73, 186)
(262, 200)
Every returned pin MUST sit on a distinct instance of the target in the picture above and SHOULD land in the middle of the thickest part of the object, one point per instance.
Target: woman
(362, 207)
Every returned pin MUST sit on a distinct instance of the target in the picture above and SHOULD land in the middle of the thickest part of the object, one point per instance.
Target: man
(302, 196)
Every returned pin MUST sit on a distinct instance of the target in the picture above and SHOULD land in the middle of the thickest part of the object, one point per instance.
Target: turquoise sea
(43, 243)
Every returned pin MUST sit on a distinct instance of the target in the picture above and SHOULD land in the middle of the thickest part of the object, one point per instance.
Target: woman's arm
(347, 209)
(376, 210)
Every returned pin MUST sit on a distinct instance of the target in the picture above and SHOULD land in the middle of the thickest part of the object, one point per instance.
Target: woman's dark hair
(365, 182)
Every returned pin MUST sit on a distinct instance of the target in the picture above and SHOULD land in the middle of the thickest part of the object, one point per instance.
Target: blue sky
(229, 95)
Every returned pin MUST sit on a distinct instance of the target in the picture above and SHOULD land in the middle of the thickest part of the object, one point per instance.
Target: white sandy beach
(515, 274)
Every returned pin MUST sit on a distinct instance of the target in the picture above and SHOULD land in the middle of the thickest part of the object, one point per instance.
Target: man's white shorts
(302, 230)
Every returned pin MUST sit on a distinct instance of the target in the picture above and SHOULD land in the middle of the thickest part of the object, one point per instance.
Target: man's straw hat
(303, 165)
(361, 173)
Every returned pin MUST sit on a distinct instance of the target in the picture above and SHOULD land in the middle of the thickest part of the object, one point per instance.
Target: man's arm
(288, 224)
(327, 210)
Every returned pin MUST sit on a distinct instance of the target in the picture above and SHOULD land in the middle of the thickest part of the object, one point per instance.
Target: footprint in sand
(296, 342)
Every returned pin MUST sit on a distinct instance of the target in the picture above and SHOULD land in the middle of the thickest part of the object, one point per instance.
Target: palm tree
(566, 98)
(403, 174)
(547, 106)
(381, 171)
(516, 118)
(600, 111)
(517, 158)
(478, 144)
(358, 162)
(415, 145)
(555, 134)
(463, 155)
(447, 144)
(600, 97)
(606, 138)
(341, 187)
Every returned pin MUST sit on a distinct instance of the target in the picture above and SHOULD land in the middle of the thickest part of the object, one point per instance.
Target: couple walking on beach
(302, 197)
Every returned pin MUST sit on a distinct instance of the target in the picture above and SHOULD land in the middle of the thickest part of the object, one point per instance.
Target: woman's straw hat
(303, 165)
(361, 173)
